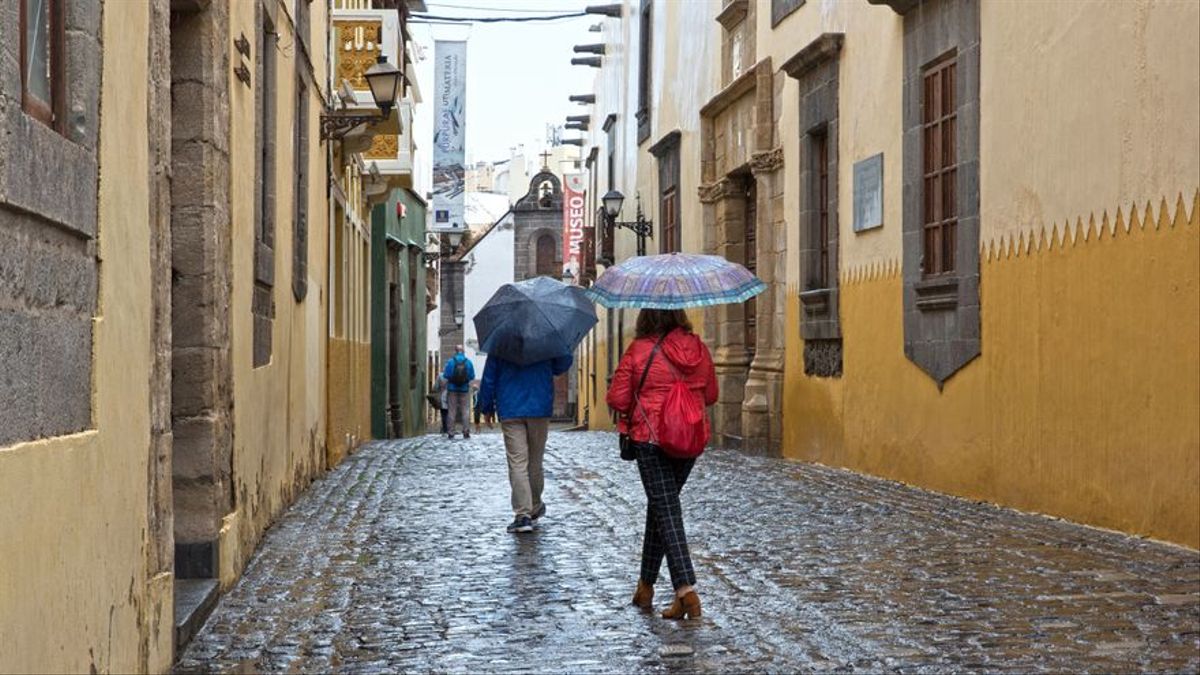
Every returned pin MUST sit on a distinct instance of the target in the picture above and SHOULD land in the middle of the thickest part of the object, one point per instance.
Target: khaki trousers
(525, 445)
(460, 411)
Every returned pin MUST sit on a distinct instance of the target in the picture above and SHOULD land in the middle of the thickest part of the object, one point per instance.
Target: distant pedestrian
(444, 405)
(475, 406)
(458, 374)
(524, 398)
(664, 366)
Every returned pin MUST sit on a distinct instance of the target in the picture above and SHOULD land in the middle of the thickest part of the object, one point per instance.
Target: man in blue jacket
(524, 398)
(458, 374)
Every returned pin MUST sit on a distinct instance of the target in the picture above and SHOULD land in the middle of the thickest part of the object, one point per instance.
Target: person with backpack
(524, 398)
(458, 374)
(660, 389)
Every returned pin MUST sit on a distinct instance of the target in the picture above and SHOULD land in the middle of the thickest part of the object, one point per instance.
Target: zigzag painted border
(1026, 243)
(870, 271)
(1029, 242)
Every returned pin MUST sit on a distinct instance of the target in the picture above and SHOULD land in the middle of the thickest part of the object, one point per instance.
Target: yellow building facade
(1037, 343)
(171, 334)
(370, 161)
(83, 582)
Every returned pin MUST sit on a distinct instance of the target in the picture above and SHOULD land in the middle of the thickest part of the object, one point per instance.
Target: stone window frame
(816, 69)
(942, 312)
(304, 24)
(262, 304)
(607, 254)
(666, 151)
(49, 112)
(782, 9)
(645, 69)
(750, 238)
(57, 163)
(416, 313)
(300, 206)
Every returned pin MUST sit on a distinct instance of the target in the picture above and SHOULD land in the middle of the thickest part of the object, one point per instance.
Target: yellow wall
(75, 593)
(278, 416)
(349, 397)
(1083, 404)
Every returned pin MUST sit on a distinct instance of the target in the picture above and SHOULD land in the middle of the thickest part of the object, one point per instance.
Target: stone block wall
(48, 226)
(201, 250)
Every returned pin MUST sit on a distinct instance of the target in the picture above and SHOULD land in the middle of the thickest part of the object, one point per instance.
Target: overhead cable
(441, 5)
(495, 19)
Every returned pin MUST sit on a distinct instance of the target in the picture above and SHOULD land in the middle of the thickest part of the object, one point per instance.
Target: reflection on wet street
(398, 560)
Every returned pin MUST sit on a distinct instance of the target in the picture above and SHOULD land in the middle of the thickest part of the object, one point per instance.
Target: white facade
(489, 266)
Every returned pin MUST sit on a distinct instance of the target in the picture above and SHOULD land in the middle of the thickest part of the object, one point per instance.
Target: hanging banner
(449, 173)
(574, 204)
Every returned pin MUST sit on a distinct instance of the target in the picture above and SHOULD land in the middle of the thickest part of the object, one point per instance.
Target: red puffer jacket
(689, 356)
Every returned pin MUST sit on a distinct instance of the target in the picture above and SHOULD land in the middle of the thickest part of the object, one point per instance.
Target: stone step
(194, 601)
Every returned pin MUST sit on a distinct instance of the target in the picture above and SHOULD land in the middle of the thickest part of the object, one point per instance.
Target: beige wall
(1108, 92)
(1052, 162)
(74, 589)
(870, 102)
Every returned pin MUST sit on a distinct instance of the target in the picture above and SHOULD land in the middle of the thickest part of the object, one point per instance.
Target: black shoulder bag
(626, 443)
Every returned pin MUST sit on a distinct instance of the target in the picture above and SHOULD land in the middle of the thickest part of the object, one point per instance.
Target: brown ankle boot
(643, 597)
(687, 607)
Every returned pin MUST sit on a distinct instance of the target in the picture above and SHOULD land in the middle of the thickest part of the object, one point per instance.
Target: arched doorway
(546, 258)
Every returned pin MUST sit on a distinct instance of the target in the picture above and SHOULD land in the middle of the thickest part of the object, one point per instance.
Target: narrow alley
(398, 560)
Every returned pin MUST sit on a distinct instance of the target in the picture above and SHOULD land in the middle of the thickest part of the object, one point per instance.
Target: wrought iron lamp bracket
(336, 126)
(644, 229)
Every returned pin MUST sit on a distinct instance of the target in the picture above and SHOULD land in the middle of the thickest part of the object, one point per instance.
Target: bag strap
(642, 381)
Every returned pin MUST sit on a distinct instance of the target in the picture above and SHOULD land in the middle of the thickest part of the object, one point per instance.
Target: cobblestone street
(398, 560)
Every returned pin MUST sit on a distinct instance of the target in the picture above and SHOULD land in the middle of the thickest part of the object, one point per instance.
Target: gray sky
(518, 74)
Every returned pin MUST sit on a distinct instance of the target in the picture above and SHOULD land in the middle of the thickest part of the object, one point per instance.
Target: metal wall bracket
(335, 126)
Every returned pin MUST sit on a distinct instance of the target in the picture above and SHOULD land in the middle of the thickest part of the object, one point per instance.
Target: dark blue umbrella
(534, 320)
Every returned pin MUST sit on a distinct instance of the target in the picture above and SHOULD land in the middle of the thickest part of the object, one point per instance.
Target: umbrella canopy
(675, 281)
(534, 320)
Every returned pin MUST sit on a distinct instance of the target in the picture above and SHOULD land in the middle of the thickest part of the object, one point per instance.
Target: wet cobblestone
(398, 561)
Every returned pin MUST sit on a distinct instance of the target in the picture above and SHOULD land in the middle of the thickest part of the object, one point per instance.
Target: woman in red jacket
(665, 341)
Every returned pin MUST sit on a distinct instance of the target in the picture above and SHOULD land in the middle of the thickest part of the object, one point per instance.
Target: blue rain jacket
(449, 370)
(515, 391)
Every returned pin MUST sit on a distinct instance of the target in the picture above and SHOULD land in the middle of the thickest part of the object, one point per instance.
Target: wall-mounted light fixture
(640, 226)
(453, 238)
(384, 80)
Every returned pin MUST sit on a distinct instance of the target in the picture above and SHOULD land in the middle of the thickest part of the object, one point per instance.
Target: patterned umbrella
(675, 281)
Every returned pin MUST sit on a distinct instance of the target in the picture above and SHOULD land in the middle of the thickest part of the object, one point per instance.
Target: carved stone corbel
(711, 193)
(766, 162)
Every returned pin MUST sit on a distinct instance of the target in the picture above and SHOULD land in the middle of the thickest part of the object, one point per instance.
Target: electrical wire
(492, 9)
(426, 18)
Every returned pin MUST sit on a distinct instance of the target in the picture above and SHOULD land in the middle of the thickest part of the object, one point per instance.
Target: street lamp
(384, 81)
(454, 238)
(640, 226)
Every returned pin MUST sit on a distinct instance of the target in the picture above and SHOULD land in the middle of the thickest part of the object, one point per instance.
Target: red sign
(574, 206)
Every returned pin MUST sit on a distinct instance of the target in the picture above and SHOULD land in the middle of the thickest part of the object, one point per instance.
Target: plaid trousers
(663, 478)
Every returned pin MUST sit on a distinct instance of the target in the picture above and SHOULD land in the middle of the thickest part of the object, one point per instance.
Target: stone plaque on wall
(868, 193)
